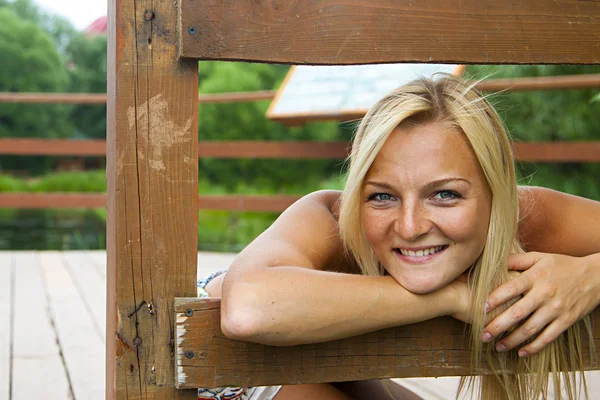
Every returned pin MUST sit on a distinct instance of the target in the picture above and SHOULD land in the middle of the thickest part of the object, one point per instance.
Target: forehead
(429, 151)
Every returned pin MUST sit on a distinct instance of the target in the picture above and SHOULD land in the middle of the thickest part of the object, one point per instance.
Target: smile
(421, 252)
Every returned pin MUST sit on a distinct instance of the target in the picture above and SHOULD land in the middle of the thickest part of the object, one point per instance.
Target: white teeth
(421, 253)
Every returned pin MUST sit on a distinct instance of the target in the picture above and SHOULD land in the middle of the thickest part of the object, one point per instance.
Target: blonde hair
(449, 100)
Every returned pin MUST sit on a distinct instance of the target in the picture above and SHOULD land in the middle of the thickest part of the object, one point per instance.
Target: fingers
(532, 326)
(522, 262)
(511, 317)
(547, 336)
(507, 291)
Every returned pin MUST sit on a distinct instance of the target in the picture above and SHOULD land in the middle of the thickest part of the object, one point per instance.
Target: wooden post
(152, 182)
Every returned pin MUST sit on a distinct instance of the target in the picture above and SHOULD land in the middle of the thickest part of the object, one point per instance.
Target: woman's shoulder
(316, 226)
(327, 200)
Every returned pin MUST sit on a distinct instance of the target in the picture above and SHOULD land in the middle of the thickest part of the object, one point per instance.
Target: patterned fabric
(232, 393)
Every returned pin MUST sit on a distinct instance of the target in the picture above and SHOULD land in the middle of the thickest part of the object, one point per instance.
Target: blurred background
(55, 46)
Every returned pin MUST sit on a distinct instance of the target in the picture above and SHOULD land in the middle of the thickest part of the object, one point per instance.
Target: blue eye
(446, 195)
(381, 197)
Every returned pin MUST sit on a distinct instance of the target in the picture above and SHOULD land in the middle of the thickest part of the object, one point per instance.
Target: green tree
(86, 60)
(558, 115)
(247, 121)
(30, 63)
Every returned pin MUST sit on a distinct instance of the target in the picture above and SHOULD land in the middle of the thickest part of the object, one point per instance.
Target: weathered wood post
(152, 179)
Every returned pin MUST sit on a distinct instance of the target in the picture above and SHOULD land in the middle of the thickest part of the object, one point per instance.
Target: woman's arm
(558, 290)
(556, 222)
(285, 288)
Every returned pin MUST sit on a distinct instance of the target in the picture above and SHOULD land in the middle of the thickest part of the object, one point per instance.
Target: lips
(420, 252)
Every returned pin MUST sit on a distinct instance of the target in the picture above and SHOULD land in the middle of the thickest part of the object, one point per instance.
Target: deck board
(91, 287)
(38, 370)
(81, 345)
(6, 291)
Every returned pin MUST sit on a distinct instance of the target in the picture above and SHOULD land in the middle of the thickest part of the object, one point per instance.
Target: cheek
(467, 225)
(375, 225)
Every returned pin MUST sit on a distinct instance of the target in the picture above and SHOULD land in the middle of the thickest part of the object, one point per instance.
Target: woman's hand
(557, 291)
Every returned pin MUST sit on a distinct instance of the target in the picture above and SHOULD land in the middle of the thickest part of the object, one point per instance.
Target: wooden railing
(530, 151)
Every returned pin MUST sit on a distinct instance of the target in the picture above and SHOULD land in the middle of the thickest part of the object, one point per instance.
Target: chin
(421, 284)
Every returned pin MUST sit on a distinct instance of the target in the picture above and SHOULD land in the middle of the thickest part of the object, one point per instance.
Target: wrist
(592, 270)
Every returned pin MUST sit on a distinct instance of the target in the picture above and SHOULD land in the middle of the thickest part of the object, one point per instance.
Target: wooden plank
(526, 151)
(152, 181)
(98, 259)
(38, 368)
(7, 270)
(53, 147)
(100, 98)
(583, 81)
(81, 345)
(557, 152)
(209, 149)
(362, 32)
(52, 200)
(206, 358)
(273, 149)
(53, 98)
(91, 287)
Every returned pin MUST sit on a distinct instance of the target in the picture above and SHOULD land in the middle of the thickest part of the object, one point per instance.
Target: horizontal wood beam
(275, 203)
(583, 81)
(336, 32)
(525, 151)
(206, 358)
(100, 98)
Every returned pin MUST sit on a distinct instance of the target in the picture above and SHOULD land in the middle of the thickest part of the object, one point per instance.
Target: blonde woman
(430, 198)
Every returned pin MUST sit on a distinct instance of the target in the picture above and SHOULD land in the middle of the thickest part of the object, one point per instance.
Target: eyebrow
(430, 185)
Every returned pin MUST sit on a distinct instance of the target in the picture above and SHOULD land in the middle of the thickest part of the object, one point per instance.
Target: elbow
(239, 325)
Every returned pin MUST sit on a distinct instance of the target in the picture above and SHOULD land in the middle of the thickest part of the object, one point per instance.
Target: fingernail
(486, 337)
(487, 307)
(500, 347)
(523, 353)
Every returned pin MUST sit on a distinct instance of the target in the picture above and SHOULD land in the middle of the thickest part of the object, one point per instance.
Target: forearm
(290, 305)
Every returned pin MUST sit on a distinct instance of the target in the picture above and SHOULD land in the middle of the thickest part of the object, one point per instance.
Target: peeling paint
(181, 376)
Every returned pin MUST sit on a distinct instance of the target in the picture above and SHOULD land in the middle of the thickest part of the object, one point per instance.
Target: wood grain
(206, 358)
(152, 189)
(361, 31)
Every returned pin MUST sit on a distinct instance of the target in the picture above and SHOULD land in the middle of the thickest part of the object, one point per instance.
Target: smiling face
(426, 206)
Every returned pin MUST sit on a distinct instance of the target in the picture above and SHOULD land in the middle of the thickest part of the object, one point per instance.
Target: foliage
(87, 72)
(561, 115)
(247, 121)
(30, 63)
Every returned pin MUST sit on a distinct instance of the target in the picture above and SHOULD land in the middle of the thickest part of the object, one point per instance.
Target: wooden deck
(52, 327)
(52, 323)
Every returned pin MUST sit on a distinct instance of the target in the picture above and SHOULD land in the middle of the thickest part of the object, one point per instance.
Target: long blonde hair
(451, 101)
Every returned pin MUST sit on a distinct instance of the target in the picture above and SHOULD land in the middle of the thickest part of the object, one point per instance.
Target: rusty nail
(149, 15)
(189, 312)
(192, 30)
(189, 354)
(137, 341)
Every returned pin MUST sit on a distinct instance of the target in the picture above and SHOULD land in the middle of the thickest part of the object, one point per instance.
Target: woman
(429, 164)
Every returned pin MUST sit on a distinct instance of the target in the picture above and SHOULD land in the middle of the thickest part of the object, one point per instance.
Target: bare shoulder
(556, 222)
(304, 235)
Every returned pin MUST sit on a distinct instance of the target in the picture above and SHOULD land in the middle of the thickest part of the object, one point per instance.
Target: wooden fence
(529, 151)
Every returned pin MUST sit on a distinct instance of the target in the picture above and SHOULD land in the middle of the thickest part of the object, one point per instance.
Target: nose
(412, 221)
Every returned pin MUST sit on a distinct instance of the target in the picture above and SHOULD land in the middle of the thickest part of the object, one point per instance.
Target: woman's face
(426, 206)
